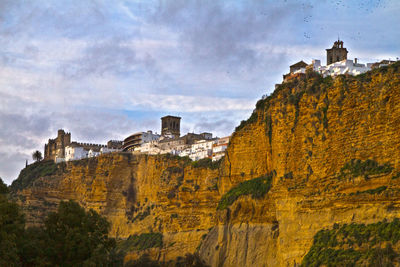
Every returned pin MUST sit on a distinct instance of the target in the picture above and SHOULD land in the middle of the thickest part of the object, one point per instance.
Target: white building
(219, 148)
(346, 66)
(201, 149)
(137, 139)
(75, 153)
(151, 148)
(106, 150)
(93, 153)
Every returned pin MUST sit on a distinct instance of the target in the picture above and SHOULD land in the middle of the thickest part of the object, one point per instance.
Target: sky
(105, 69)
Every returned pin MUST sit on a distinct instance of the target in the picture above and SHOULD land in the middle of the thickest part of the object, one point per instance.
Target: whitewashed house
(75, 153)
(346, 66)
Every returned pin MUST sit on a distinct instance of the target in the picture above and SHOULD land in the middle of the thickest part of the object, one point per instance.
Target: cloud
(219, 34)
(103, 70)
(100, 58)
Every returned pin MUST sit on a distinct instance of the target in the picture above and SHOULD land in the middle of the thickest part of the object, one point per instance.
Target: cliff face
(137, 194)
(307, 134)
(332, 148)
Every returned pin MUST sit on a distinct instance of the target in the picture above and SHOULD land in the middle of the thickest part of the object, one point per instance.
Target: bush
(355, 245)
(257, 188)
(357, 167)
(207, 163)
(34, 171)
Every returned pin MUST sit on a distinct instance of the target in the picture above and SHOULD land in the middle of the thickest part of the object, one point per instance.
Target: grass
(355, 245)
(141, 242)
(257, 188)
(34, 171)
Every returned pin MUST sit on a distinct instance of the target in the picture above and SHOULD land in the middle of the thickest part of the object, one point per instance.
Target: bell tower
(336, 53)
(171, 125)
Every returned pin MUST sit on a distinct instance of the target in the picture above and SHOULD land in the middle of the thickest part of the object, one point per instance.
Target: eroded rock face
(137, 194)
(306, 143)
(306, 135)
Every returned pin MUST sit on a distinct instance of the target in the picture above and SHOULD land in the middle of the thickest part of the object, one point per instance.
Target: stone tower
(171, 125)
(55, 148)
(336, 53)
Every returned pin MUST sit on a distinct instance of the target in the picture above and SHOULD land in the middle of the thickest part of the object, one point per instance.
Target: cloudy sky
(105, 69)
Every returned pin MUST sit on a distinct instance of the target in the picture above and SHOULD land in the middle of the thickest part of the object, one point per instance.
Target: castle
(62, 149)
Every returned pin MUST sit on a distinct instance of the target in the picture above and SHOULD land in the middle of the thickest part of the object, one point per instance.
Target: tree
(37, 155)
(11, 228)
(3, 187)
(78, 237)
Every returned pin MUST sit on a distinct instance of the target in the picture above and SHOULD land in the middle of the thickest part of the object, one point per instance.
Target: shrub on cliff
(206, 163)
(355, 245)
(357, 167)
(257, 188)
(141, 242)
(34, 171)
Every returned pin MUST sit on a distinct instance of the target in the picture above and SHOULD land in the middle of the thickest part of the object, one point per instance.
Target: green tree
(3, 187)
(12, 225)
(77, 237)
(37, 155)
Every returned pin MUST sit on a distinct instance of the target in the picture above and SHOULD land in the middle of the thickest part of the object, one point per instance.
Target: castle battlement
(55, 149)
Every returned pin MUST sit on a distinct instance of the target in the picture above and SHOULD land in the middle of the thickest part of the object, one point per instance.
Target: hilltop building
(382, 63)
(171, 126)
(219, 148)
(296, 70)
(55, 148)
(62, 149)
(337, 64)
(346, 66)
(336, 53)
(195, 146)
(137, 139)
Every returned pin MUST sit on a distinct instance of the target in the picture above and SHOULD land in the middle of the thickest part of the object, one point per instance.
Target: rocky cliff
(330, 149)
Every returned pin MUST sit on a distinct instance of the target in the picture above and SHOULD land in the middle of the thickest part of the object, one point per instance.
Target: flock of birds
(365, 6)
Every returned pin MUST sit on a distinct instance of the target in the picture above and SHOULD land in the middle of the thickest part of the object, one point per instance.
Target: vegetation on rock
(190, 260)
(34, 171)
(355, 245)
(377, 190)
(257, 188)
(141, 242)
(357, 167)
(207, 163)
